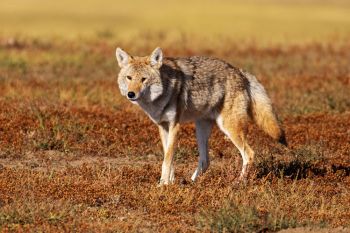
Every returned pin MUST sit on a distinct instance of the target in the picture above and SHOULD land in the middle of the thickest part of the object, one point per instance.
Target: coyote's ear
(156, 58)
(122, 57)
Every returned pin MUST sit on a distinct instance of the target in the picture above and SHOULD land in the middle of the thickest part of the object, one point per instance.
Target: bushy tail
(262, 111)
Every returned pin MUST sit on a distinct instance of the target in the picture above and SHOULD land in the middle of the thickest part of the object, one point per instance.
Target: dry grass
(75, 156)
(265, 21)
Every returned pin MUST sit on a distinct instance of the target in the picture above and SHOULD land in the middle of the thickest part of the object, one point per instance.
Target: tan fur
(163, 137)
(168, 167)
(200, 89)
(262, 110)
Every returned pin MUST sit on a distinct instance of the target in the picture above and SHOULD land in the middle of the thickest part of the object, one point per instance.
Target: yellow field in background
(263, 21)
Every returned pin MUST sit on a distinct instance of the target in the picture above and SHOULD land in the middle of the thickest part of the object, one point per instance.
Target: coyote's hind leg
(233, 122)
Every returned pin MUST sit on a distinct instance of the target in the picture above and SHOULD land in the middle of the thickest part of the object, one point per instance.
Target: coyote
(200, 89)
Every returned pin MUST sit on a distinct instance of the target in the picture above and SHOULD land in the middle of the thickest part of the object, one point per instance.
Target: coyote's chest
(159, 113)
(172, 113)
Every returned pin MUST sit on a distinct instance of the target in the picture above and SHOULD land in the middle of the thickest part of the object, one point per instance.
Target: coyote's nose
(131, 94)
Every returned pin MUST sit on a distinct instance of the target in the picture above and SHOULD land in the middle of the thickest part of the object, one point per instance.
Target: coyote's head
(139, 77)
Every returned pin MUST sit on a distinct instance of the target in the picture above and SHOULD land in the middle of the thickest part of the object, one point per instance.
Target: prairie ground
(76, 156)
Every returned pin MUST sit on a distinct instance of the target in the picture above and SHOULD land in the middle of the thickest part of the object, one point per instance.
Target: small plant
(239, 218)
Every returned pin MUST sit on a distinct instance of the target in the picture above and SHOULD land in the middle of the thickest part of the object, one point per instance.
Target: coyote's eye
(143, 79)
(128, 77)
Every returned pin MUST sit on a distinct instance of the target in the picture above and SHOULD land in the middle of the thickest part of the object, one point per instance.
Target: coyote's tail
(262, 111)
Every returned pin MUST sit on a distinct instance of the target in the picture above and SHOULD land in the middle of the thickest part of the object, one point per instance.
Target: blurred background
(267, 21)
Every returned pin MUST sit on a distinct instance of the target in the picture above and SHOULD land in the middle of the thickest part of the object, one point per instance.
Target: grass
(265, 21)
(76, 156)
(233, 218)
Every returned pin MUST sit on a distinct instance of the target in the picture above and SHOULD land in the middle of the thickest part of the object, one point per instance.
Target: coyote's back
(206, 83)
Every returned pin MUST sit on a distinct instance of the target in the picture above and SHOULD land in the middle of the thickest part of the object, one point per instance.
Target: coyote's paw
(165, 182)
(245, 175)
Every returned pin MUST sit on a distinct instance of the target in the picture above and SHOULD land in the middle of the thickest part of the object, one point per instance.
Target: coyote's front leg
(170, 134)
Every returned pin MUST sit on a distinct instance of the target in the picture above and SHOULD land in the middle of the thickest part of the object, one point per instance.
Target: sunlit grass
(76, 156)
(266, 21)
